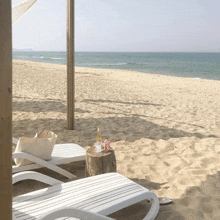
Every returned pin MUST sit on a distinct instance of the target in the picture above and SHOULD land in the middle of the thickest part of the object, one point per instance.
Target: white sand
(163, 130)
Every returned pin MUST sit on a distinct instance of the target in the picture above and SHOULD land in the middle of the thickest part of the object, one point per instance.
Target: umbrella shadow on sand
(114, 128)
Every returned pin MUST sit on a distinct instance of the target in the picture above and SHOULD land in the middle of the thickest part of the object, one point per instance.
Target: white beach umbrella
(21, 9)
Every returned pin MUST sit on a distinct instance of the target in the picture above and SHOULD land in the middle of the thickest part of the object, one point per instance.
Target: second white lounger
(61, 154)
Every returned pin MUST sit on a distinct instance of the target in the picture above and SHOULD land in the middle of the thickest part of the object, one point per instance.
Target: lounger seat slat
(102, 194)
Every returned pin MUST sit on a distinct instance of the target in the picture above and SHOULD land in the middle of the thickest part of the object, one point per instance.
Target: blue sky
(122, 25)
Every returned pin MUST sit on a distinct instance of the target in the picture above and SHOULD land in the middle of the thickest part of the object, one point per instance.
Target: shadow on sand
(131, 129)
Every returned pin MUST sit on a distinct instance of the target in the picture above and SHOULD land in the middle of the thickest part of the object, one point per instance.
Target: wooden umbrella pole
(70, 65)
(5, 110)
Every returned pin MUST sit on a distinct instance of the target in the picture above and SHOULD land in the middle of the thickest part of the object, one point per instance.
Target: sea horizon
(197, 65)
(21, 50)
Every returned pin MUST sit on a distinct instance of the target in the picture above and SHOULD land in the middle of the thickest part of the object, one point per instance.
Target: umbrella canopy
(21, 9)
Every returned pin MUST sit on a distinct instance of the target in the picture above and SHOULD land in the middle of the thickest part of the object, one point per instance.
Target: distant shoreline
(185, 65)
(105, 69)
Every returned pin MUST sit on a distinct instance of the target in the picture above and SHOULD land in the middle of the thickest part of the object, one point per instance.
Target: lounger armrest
(34, 176)
(19, 155)
(73, 212)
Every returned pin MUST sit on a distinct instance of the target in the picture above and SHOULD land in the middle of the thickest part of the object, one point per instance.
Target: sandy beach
(165, 130)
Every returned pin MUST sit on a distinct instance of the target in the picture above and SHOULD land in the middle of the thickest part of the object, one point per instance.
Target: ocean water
(190, 65)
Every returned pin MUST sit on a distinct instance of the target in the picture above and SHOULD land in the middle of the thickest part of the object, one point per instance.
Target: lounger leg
(44, 163)
(155, 205)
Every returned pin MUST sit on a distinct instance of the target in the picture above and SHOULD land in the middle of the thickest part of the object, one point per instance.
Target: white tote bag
(40, 146)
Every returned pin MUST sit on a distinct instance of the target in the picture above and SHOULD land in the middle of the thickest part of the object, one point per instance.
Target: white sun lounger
(61, 154)
(95, 196)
